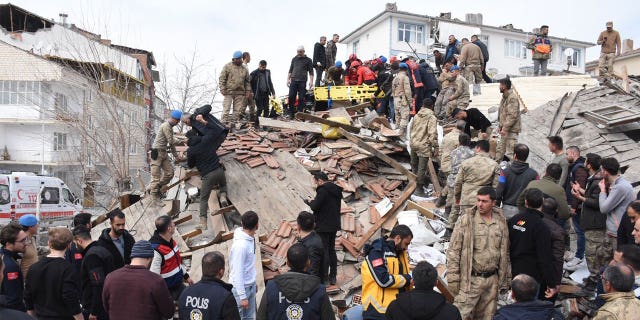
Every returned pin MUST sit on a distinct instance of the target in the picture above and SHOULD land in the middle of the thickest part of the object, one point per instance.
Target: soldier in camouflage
(423, 140)
(401, 92)
(458, 155)
(235, 86)
(449, 143)
(445, 80)
(478, 265)
(509, 119)
(476, 172)
(620, 302)
(460, 98)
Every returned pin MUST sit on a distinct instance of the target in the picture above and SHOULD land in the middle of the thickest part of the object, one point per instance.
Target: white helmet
(402, 56)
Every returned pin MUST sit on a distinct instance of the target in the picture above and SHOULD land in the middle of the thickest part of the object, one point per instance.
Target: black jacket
(60, 297)
(591, 218)
(530, 310)
(557, 244)
(477, 120)
(428, 77)
(212, 297)
(530, 247)
(300, 68)
(297, 288)
(326, 207)
(313, 243)
(97, 263)
(319, 55)
(513, 180)
(624, 231)
(106, 242)
(421, 305)
(6, 313)
(12, 286)
(202, 154)
(261, 84)
(484, 49)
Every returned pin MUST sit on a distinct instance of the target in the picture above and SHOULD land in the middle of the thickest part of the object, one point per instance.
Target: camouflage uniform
(163, 138)
(619, 306)
(234, 84)
(458, 155)
(401, 92)
(461, 95)
(449, 143)
(471, 61)
(509, 119)
(445, 79)
(478, 246)
(424, 138)
(475, 173)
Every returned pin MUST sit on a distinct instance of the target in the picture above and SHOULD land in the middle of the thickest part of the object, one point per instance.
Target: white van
(47, 197)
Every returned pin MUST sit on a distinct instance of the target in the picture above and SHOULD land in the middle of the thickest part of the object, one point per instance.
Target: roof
(574, 118)
(430, 18)
(131, 50)
(627, 55)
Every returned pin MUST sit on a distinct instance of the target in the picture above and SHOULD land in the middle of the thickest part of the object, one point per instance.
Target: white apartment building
(393, 32)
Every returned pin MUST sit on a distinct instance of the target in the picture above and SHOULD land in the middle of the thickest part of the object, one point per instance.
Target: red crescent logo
(19, 196)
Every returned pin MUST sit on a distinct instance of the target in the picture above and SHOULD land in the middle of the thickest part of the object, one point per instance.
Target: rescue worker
(161, 168)
(330, 51)
(14, 241)
(476, 172)
(423, 143)
(509, 119)
(449, 143)
(167, 261)
(458, 156)
(365, 75)
(300, 67)
(312, 241)
(249, 102)
(401, 88)
(541, 48)
(385, 271)
(445, 81)
(5, 311)
(235, 86)
(32, 250)
(210, 298)
(334, 74)
(478, 264)
(471, 61)
(295, 294)
(319, 59)
(609, 41)
(262, 87)
(476, 120)
(460, 97)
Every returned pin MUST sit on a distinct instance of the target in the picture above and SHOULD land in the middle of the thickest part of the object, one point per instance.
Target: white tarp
(458, 30)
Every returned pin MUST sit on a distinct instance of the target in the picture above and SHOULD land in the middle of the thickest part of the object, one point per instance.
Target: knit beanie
(142, 249)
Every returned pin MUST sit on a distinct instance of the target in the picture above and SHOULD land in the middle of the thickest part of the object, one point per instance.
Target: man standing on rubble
(262, 87)
(385, 272)
(423, 143)
(242, 269)
(471, 61)
(476, 172)
(300, 67)
(159, 157)
(326, 209)
(458, 156)
(235, 86)
(509, 119)
(312, 241)
(478, 265)
(485, 54)
(609, 41)
(556, 147)
(514, 179)
(460, 97)
(401, 88)
(319, 59)
(449, 143)
(331, 50)
(541, 47)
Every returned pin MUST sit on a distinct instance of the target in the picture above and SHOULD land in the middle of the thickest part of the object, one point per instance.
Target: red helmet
(355, 64)
(353, 57)
(393, 59)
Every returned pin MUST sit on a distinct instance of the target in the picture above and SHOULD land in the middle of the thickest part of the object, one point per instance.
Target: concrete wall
(372, 43)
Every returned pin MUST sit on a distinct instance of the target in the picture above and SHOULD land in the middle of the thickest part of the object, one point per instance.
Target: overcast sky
(272, 31)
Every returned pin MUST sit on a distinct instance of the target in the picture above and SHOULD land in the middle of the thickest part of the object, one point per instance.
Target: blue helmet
(403, 65)
(237, 55)
(176, 114)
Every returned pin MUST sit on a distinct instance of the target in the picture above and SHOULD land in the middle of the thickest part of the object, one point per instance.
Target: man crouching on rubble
(385, 272)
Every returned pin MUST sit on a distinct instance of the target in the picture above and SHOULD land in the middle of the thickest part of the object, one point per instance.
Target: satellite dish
(430, 41)
(568, 52)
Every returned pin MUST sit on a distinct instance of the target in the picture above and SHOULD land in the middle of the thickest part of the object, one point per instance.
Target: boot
(203, 223)
(447, 212)
(420, 191)
(224, 202)
(447, 234)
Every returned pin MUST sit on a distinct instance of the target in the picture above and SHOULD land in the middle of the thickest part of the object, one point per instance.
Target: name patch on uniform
(77, 256)
(377, 262)
(12, 275)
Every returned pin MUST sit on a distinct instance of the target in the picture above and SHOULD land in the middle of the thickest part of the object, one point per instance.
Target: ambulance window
(4, 194)
(67, 196)
(50, 195)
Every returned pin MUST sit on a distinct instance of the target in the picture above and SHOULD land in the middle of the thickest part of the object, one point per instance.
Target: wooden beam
(191, 234)
(358, 107)
(294, 125)
(434, 178)
(186, 177)
(335, 124)
(444, 289)
(184, 219)
(223, 210)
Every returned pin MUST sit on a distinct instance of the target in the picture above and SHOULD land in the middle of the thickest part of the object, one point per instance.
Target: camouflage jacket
(401, 87)
(458, 155)
(165, 137)
(424, 133)
(330, 52)
(618, 306)
(475, 172)
(449, 143)
(445, 79)
(509, 112)
(462, 88)
(234, 79)
(460, 254)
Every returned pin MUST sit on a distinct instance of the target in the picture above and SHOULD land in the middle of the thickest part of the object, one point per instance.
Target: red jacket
(365, 74)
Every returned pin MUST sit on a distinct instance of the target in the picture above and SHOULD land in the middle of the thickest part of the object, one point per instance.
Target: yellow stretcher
(345, 92)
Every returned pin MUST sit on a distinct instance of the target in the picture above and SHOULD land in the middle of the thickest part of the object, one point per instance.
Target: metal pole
(42, 151)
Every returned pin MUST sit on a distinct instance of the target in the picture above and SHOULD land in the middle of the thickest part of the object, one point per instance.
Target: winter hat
(338, 64)
(176, 114)
(383, 59)
(454, 68)
(28, 220)
(237, 55)
(403, 66)
(142, 249)
(300, 48)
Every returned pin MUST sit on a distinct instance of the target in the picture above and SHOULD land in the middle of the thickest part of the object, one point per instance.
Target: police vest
(542, 45)
(282, 308)
(203, 301)
(171, 271)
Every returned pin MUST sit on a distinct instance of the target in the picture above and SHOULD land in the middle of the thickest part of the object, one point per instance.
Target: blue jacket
(209, 299)
(12, 287)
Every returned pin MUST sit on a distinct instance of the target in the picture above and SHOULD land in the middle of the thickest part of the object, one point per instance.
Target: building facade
(393, 32)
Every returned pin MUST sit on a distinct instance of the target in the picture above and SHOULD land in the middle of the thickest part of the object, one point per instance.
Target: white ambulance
(48, 198)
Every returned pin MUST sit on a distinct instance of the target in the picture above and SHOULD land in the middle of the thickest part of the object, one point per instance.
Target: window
(4, 194)
(356, 46)
(408, 32)
(61, 103)
(515, 49)
(133, 148)
(50, 195)
(59, 141)
(20, 92)
(67, 196)
(576, 58)
(133, 117)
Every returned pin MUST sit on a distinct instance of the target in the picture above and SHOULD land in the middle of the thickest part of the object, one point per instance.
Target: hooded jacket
(530, 310)
(513, 180)
(301, 292)
(421, 304)
(106, 242)
(202, 153)
(424, 134)
(591, 218)
(326, 207)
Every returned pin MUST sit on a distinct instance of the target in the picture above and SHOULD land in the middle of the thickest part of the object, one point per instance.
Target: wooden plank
(339, 112)
(183, 219)
(191, 234)
(422, 210)
(444, 289)
(335, 124)
(434, 178)
(294, 125)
